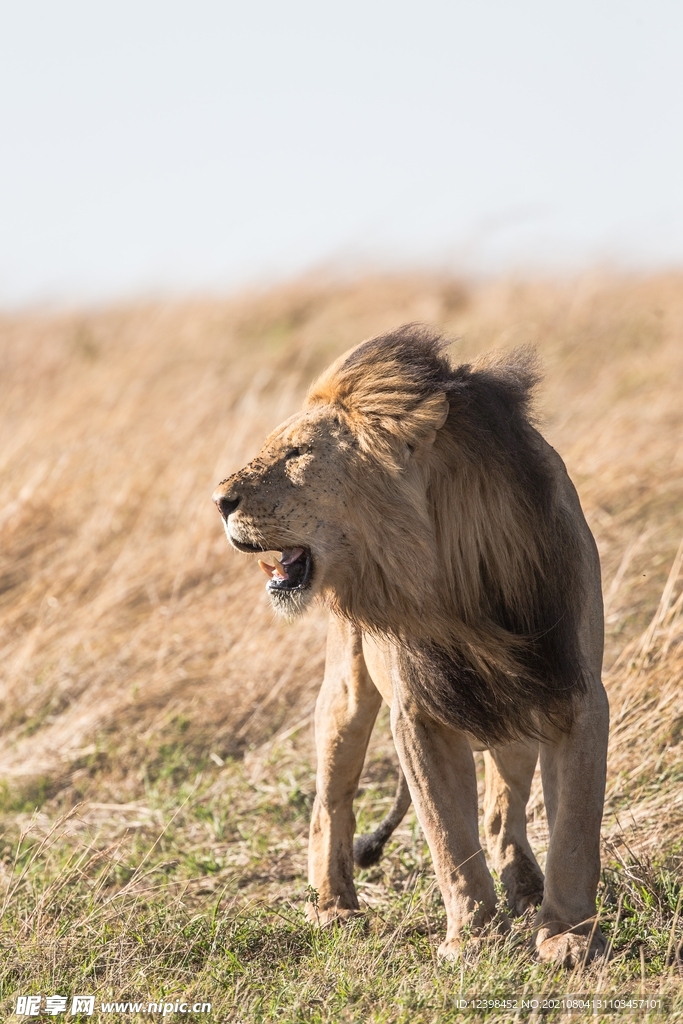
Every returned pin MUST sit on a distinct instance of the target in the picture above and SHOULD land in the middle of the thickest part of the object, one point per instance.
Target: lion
(418, 501)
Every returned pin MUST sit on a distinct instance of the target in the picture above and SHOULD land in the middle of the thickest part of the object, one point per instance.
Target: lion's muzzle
(227, 503)
(291, 577)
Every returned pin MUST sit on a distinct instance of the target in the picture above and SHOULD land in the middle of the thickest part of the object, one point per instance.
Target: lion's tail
(367, 850)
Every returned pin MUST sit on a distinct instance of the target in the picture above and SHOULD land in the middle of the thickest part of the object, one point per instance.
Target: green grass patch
(199, 896)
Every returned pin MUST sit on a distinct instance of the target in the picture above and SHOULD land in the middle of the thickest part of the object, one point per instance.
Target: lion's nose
(225, 504)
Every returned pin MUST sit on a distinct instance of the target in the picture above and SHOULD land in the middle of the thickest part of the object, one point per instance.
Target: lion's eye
(293, 452)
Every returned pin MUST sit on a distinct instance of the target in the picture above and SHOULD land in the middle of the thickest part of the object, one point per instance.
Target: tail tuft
(367, 850)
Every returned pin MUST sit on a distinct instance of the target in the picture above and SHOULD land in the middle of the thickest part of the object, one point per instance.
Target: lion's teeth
(276, 571)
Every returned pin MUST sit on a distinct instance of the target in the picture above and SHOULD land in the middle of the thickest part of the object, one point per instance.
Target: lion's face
(341, 490)
(291, 499)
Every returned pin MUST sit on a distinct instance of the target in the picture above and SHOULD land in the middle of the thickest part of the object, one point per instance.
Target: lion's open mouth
(292, 571)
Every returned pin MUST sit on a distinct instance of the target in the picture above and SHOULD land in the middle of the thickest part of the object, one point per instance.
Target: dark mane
(489, 638)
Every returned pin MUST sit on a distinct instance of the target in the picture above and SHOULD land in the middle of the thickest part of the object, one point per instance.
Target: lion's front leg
(439, 767)
(573, 769)
(345, 713)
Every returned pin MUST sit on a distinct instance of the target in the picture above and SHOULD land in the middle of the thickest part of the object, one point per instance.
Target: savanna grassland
(157, 765)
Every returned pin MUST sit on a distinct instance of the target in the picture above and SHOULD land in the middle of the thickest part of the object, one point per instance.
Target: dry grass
(134, 644)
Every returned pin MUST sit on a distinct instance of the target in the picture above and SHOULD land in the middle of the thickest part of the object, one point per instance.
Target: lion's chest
(380, 661)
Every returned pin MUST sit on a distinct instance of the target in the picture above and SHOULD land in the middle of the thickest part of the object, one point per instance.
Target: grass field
(156, 767)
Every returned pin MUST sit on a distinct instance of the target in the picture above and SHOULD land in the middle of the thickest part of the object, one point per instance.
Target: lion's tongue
(290, 555)
(279, 570)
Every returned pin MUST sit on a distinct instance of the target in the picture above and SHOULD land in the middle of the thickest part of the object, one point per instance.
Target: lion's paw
(471, 939)
(455, 949)
(451, 950)
(331, 916)
(571, 950)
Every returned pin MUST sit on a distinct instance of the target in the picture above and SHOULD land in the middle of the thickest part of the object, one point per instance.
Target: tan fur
(449, 543)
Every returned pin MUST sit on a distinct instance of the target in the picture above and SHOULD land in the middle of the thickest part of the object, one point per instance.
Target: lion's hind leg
(509, 773)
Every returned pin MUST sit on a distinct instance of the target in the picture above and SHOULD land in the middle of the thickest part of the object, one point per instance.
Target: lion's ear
(423, 423)
(404, 434)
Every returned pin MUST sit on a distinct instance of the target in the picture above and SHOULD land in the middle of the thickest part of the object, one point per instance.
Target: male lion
(442, 531)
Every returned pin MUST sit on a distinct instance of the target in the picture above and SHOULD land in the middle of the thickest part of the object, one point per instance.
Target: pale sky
(173, 147)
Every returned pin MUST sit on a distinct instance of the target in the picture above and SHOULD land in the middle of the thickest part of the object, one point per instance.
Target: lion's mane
(463, 551)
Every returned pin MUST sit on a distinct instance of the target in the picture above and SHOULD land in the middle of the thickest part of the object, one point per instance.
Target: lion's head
(339, 489)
